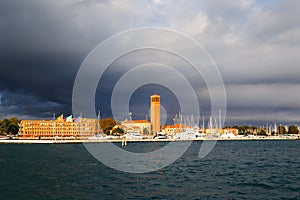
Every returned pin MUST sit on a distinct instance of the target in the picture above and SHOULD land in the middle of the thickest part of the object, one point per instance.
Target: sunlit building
(173, 129)
(58, 128)
(234, 131)
(213, 131)
(142, 126)
(155, 113)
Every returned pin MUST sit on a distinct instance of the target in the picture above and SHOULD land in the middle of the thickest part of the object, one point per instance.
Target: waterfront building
(155, 113)
(234, 131)
(141, 126)
(58, 128)
(214, 131)
(202, 130)
(173, 129)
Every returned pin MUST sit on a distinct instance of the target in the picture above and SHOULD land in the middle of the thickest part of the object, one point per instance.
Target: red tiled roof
(134, 121)
(175, 126)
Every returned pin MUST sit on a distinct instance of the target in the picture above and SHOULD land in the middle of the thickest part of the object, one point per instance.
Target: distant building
(213, 131)
(142, 126)
(234, 131)
(59, 128)
(155, 113)
(173, 129)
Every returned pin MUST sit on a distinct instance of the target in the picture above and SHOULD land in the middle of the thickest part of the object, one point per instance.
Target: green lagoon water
(233, 170)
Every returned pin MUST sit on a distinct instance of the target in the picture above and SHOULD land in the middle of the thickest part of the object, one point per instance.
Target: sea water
(232, 170)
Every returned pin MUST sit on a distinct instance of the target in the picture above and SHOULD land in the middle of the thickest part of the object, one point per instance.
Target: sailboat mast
(98, 123)
(180, 120)
(210, 125)
(203, 123)
(53, 132)
(220, 119)
(4, 125)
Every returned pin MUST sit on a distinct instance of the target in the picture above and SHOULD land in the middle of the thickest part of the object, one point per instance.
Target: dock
(77, 141)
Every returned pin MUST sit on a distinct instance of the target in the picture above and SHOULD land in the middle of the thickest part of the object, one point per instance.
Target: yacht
(97, 137)
(188, 134)
(133, 135)
(162, 136)
(228, 136)
(3, 137)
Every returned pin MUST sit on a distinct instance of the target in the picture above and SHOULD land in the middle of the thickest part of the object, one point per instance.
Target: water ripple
(233, 170)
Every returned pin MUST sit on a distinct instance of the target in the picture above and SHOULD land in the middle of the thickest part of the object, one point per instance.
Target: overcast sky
(255, 45)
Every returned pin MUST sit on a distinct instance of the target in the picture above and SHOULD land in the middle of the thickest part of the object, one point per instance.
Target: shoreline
(36, 141)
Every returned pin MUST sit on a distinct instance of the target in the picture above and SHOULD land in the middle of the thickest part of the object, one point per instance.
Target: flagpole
(53, 131)
(80, 132)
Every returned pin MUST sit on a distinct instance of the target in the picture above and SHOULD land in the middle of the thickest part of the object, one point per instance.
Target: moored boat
(3, 137)
(133, 135)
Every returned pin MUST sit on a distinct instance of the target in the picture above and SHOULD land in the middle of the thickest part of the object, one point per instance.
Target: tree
(117, 131)
(146, 131)
(261, 132)
(3, 126)
(14, 120)
(12, 129)
(281, 130)
(293, 130)
(9, 126)
(242, 130)
(107, 124)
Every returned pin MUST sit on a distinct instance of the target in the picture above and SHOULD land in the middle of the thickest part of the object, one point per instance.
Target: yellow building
(59, 128)
(155, 113)
(174, 129)
(234, 131)
(213, 131)
(142, 126)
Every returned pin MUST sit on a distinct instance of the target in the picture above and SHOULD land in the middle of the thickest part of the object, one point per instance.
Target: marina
(122, 140)
(70, 129)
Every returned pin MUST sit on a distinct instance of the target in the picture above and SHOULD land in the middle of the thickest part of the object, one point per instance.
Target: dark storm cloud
(44, 42)
(35, 26)
(41, 50)
(254, 43)
(49, 76)
(28, 106)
